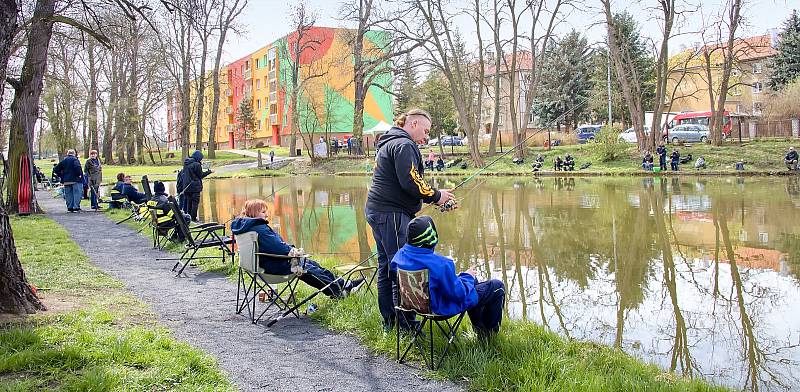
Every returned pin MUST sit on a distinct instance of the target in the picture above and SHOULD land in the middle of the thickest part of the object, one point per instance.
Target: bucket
(656, 169)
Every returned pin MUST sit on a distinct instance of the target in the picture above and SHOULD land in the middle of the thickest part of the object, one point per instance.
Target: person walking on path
(94, 170)
(397, 192)
(662, 156)
(193, 175)
(271, 157)
(71, 174)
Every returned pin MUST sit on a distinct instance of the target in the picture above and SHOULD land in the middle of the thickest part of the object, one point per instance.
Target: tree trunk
(92, 99)
(498, 55)
(212, 124)
(16, 296)
(8, 27)
(186, 41)
(111, 113)
(25, 107)
(201, 96)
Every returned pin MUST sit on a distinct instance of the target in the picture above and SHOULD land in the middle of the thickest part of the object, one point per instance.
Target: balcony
(248, 74)
(228, 92)
(229, 128)
(273, 119)
(272, 74)
(273, 97)
(229, 110)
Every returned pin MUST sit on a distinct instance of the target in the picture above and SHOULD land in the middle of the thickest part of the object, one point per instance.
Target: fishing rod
(375, 253)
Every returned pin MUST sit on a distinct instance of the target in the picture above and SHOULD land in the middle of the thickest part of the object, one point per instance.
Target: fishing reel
(450, 205)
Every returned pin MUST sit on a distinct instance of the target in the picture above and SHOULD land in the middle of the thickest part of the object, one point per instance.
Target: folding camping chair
(348, 270)
(148, 191)
(163, 225)
(253, 281)
(198, 237)
(415, 297)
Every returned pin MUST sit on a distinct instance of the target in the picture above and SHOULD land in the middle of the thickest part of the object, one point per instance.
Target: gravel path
(294, 355)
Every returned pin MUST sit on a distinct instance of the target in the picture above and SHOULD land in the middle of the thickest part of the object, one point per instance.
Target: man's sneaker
(353, 285)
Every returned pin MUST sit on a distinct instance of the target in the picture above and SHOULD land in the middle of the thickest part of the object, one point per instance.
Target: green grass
(96, 336)
(523, 357)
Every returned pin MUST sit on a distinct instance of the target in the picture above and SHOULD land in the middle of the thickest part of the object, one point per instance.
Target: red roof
(748, 49)
(523, 63)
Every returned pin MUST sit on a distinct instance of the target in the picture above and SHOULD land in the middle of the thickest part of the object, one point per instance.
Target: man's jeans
(73, 193)
(487, 314)
(389, 230)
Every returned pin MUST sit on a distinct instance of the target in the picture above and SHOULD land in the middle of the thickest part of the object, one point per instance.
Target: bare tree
(299, 42)
(229, 10)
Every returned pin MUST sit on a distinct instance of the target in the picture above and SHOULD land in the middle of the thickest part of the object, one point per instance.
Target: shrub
(607, 144)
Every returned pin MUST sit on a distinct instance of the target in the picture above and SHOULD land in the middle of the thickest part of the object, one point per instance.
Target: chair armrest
(207, 228)
(287, 257)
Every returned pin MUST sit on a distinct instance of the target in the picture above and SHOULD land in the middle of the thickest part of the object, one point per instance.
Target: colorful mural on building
(325, 102)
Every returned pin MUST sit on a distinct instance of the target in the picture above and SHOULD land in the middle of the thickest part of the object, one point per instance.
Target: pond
(697, 275)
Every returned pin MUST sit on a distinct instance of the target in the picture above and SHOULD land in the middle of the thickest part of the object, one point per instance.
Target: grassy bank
(95, 336)
(524, 357)
(760, 157)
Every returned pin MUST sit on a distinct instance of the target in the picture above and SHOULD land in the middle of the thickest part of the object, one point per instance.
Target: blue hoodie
(268, 242)
(450, 293)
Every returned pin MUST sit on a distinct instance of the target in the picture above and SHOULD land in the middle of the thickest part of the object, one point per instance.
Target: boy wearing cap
(450, 293)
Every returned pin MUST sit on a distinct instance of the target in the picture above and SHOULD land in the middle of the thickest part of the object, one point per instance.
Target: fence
(765, 129)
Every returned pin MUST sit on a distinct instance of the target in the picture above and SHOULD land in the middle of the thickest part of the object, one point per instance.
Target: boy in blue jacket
(450, 293)
(254, 218)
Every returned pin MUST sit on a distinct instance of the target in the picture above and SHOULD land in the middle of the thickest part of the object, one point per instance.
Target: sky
(264, 21)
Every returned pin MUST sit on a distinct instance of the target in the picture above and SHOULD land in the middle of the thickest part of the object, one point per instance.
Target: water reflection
(698, 276)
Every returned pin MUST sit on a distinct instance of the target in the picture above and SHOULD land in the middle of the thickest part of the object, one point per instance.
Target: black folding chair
(366, 272)
(163, 225)
(148, 191)
(198, 237)
(253, 281)
(415, 297)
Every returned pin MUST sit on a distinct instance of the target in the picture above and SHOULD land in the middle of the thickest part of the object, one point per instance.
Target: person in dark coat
(165, 217)
(675, 159)
(569, 163)
(559, 163)
(791, 159)
(193, 175)
(181, 187)
(397, 193)
(71, 174)
(254, 218)
(130, 191)
(662, 156)
(94, 170)
(647, 161)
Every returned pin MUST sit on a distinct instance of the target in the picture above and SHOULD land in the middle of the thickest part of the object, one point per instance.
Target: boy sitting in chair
(450, 294)
(254, 218)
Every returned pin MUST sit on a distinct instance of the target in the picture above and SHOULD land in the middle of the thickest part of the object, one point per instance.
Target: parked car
(446, 141)
(587, 132)
(688, 133)
(629, 135)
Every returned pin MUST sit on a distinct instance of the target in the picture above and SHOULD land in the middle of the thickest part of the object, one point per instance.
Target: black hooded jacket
(397, 184)
(193, 174)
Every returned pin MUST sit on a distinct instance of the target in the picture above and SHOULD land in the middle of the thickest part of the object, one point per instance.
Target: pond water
(697, 275)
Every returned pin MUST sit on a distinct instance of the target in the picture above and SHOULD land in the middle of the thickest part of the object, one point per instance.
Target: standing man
(94, 170)
(662, 156)
(271, 157)
(397, 192)
(193, 175)
(71, 174)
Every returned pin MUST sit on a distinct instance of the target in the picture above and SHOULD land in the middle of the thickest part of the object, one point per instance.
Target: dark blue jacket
(661, 151)
(397, 184)
(69, 169)
(268, 242)
(675, 157)
(791, 156)
(193, 173)
(450, 293)
(133, 194)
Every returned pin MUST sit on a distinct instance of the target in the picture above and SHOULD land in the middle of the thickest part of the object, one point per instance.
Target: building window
(757, 68)
(757, 88)
(763, 237)
(736, 91)
(757, 107)
(258, 103)
(258, 84)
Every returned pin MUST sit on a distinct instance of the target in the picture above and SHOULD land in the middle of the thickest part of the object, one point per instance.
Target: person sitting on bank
(439, 164)
(700, 163)
(791, 159)
(163, 211)
(538, 163)
(429, 162)
(451, 293)
(569, 163)
(126, 188)
(559, 163)
(675, 159)
(254, 218)
(647, 161)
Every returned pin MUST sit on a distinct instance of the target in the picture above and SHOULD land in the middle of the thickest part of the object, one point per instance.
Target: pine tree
(786, 64)
(566, 81)
(246, 119)
(407, 86)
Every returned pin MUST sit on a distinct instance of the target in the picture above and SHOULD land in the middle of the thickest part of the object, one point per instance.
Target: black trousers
(192, 203)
